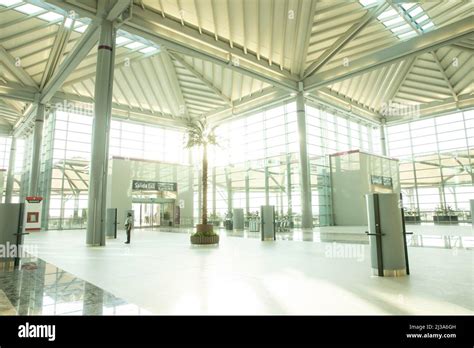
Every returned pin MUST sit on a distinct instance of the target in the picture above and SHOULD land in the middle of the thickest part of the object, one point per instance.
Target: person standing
(128, 226)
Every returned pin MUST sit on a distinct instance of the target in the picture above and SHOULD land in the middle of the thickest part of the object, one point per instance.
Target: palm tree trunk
(204, 184)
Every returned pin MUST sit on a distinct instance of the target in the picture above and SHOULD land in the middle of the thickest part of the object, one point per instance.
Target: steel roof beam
(88, 40)
(266, 97)
(147, 24)
(428, 42)
(419, 32)
(445, 106)
(344, 39)
(400, 78)
(301, 52)
(350, 103)
(201, 77)
(17, 92)
(117, 8)
(61, 41)
(10, 63)
(28, 95)
(445, 77)
(174, 83)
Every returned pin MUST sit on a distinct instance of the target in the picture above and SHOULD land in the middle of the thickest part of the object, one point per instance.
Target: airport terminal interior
(328, 146)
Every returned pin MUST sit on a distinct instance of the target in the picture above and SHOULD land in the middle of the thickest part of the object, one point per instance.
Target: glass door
(146, 214)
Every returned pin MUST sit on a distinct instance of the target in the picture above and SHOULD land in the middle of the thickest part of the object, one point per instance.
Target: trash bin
(228, 224)
(387, 236)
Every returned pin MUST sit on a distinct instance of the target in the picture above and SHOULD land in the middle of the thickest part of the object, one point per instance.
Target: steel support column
(36, 151)
(228, 180)
(247, 194)
(383, 140)
(267, 186)
(100, 135)
(305, 184)
(214, 192)
(288, 188)
(11, 172)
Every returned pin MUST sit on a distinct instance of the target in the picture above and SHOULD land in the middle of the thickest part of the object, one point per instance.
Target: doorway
(147, 214)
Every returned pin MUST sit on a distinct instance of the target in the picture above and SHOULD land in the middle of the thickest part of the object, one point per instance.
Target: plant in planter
(411, 215)
(445, 215)
(201, 135)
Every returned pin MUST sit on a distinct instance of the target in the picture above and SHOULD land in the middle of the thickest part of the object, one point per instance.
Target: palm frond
(199, 133)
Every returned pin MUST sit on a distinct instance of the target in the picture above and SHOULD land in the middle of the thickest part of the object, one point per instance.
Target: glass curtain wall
(436, 165)
(251, 166)
(5, 145)
(258, 161)
(70, 154)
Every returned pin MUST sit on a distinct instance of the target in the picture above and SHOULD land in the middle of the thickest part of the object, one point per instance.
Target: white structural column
(305, 184)
(100, 135)
(383, 141)
(36, 151)
(247, 193)
(267, 185)
(214, 192)
(228, 179)
(288, 188)
(11, 172)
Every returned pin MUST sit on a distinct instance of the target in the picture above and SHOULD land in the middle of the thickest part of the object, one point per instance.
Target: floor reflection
(414, 240)
(40, 288)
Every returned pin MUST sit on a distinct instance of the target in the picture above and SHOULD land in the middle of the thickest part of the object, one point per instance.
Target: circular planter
(214, 239)
(203, 239)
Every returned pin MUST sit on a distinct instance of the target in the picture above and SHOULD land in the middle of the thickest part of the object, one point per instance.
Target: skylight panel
(387, 14)
(148, 49)
(417, 10)
(121, 40)
(51, 16)
(28, 9)
(408, 6)
(428, 25)
(9, 3)
(134, 45)
(394, 21)
(68, 22)
(367, 3)
(81, 29)
(407, 35)
(422, 19)
(401, 28)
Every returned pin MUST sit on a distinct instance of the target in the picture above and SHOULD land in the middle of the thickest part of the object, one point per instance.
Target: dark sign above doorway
(140, 185)
(381, 180)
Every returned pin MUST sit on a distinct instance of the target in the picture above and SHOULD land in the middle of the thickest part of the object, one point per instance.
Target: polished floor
(39, 288)
(163, 274)
(422, 235)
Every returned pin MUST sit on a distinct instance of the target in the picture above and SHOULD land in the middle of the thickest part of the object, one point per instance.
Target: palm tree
(200, 134)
